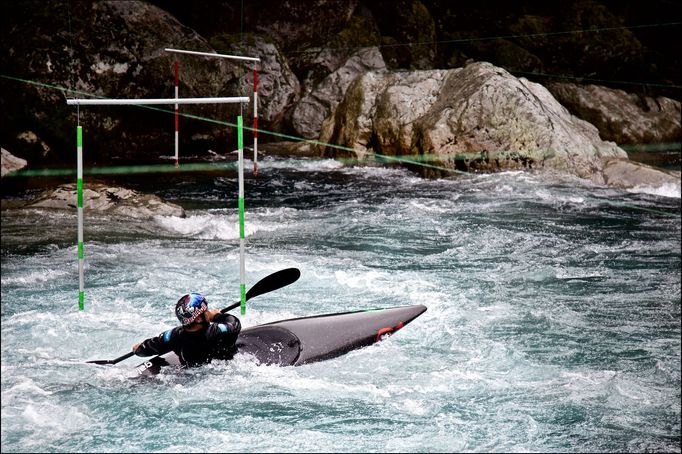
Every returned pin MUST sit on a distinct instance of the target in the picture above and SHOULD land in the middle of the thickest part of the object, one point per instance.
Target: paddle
(269, 283)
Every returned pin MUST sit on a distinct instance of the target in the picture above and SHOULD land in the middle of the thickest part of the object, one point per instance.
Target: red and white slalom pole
(177, 113)
(255, 121)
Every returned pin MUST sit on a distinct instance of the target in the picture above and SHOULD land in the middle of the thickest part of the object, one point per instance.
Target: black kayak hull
(305, 340)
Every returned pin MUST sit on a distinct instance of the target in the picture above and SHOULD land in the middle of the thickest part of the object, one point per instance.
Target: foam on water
(300, 165)
(222, 225)
(666, 190)
(34, 277)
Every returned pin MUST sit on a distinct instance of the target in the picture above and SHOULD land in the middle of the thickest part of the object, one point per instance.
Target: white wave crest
(43, 275)
(671, 190)
(220, 226)
(304, 165)
(205, 226)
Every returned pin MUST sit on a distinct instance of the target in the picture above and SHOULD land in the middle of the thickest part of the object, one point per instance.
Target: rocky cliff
(314, 53)
(477, 118)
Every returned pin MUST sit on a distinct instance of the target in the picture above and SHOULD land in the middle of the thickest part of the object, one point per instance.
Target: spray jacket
(214, 341)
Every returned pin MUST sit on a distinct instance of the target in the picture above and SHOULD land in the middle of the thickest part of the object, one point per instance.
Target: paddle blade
(274, 281)
(269, 283)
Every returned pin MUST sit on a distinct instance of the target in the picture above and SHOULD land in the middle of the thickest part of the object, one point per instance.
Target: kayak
(305, 340)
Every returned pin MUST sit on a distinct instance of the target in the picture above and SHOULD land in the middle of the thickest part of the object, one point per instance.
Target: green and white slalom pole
(242, 265)
(177, 115)
(79, 186)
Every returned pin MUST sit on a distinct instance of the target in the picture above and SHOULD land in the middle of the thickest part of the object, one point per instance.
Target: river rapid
(553, 321)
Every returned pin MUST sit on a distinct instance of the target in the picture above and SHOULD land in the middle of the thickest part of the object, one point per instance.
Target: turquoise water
(553, 321)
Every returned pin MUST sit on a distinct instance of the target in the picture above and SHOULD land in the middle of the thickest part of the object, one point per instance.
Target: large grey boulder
(406, 98)
(476, 118)
(380, 111)
(112, 200)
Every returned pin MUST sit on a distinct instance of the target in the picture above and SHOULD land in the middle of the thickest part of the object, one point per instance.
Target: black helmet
(189, 307)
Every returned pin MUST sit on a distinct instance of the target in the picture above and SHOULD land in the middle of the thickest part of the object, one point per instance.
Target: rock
(405, 21)
(314, 107)
(626, 174)
(116, 50)
(288, 148)
(294, 24)
(113, 200)
(11, 163)
(381, 111)
(476, 118)
(278, 87)
(622, 117)
(407, 97)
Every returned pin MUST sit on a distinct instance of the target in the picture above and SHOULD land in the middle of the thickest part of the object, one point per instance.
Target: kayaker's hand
(209, 314)
(135, 347)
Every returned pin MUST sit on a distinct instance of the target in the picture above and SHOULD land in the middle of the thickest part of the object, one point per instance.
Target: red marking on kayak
(388, 330)
(382, 332)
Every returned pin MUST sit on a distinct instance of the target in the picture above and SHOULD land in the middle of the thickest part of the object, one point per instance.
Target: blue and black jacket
(196, 347)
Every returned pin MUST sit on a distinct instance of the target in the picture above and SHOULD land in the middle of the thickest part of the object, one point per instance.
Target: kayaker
(204, 335)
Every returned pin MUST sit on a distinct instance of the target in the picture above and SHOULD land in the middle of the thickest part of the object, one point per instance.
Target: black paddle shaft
(269, 283)
(112, 361)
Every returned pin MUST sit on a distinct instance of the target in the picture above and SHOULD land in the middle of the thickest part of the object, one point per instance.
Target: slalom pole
(177, 113)
(141, 102)
(79, 186)
(255, 121)
(242, 265)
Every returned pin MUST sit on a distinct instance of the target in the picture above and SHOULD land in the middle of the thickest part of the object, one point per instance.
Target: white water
(553, 319)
